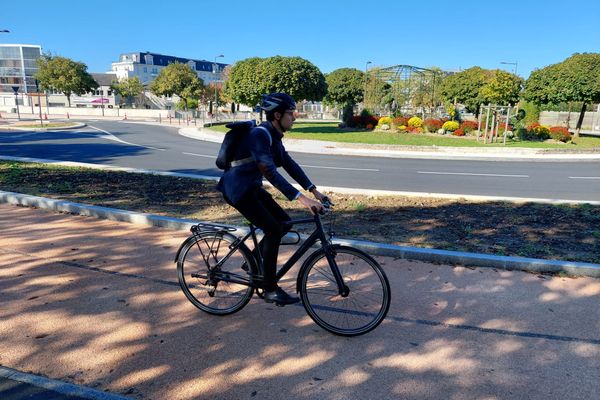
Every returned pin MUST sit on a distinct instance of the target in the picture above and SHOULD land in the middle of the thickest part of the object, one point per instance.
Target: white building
(146, 66)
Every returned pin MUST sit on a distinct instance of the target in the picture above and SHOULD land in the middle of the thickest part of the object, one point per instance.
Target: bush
(432, 125)
(537, 131)
(415, 122)
(450, 126)
(400, 121)
(468, 127)
(560, 133)
(459, 132)
(384, 121)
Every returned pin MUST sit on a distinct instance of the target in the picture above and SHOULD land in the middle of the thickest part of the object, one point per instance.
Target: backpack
(231, 141)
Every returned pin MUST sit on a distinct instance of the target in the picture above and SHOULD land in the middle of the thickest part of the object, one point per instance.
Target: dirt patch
(560, 232)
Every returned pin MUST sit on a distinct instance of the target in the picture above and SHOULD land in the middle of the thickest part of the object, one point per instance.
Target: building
(18, 64)
(102, 97)
(146, 66)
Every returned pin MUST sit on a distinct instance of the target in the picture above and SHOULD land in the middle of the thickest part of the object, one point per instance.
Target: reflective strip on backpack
(237, 163)
(243, 161)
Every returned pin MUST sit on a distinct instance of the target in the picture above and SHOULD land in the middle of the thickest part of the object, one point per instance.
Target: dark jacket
(268, 154)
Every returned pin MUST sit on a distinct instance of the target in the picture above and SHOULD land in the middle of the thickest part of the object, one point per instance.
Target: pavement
(95, 304)
(39, 244)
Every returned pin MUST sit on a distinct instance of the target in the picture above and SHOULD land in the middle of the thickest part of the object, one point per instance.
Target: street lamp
(16, 90)
(215, 81)
(366, 79)
(37, 92)
(511, 63)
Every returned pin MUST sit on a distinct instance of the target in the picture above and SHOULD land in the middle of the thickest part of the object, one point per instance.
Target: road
(160, 148)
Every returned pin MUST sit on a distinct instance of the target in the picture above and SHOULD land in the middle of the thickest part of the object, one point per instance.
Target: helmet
(277, 102)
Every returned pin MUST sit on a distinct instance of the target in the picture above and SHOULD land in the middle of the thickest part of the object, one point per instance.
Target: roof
(104, 79)
(164, 60)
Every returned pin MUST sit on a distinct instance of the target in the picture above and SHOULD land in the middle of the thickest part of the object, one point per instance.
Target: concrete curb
(442, 152)
(413, 253)
(67, 389)
(29, 129)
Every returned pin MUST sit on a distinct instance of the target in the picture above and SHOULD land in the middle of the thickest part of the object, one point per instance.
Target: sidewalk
(96, 303)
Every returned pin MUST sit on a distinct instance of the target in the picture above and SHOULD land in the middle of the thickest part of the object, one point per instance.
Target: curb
(29, 129)
(435, 152)
(67, 389)
(404, 252)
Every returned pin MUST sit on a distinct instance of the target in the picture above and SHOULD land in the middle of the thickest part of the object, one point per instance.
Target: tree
(378, 92)
(345, 88)
(128, 88)
(501, 88)
(178, 79)
(64, 75)
(252, 77)
(576, 79)
(464, 87)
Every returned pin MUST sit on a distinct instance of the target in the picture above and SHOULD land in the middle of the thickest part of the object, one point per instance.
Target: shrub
(402, 128)
(370, 126)
(459, 132)
(399, 121)
(415, 122)
(415, 129)
(538, 131)
(384, 121)
(560, 133)
(450, 126)
(468, 126)
(432, 125)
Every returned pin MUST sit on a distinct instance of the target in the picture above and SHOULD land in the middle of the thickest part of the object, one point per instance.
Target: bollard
(125, 118)
(45, 116)
(68, 116)
(159, 119)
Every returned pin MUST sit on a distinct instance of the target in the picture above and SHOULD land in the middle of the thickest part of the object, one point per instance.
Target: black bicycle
(343, 289)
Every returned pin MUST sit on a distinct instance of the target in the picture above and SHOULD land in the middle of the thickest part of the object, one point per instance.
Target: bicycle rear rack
(211, 227)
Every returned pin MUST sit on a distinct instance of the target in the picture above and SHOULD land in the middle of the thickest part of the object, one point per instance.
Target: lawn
(328, 131)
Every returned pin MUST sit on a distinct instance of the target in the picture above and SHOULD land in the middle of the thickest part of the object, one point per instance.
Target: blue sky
(452, 35)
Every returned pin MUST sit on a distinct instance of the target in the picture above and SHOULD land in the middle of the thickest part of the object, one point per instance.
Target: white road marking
(471, 174)
(341, 168)
(19, 135)
(584, 177)
(199, 155)
(116, 139)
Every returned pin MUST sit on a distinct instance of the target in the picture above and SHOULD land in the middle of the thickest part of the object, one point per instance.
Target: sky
(452, 35)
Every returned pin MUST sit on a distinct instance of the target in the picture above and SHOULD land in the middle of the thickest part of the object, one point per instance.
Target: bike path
(96, 303)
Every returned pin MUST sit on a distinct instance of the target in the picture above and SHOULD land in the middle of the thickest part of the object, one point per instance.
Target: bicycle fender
(188, 240)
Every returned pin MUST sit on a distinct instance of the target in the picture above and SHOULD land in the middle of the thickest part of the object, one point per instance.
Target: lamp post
(37, 92)
(511, 63)
(16, 90)
(366, 80)
(215, 82)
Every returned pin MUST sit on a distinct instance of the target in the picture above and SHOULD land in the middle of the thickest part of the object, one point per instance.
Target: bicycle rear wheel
(366, 301)
(218, 289)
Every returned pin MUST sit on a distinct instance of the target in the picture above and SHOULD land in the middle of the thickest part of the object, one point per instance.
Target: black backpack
(231, 141)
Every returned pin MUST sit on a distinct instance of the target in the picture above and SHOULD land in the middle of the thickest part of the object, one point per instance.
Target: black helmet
(277, 102)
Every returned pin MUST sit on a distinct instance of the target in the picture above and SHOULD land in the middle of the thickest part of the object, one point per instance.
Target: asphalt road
(161, 148)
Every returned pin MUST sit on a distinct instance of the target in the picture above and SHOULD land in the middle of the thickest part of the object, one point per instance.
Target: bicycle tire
(365, 306)
(209, 291)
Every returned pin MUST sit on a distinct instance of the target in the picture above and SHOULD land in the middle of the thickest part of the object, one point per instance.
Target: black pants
(259, 208)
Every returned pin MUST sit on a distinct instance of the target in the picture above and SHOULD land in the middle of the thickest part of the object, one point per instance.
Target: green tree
(345, 88)
(378, 92)
(464, 87)
(252, 77)
(178, 79)
(128, 88)
(64, 75)
(501, 88)
(426, 92)
(576, 79)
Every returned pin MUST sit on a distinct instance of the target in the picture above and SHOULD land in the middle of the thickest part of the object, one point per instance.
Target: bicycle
(343, 289)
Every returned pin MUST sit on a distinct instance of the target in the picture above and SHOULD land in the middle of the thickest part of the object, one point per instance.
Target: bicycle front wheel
(364, 302)
(212, 276)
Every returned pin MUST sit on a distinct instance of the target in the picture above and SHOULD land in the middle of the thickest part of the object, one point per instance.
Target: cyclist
(258, 155)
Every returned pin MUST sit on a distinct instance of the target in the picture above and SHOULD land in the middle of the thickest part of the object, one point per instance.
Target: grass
(46, 125)
(328, 131)
(565, 232)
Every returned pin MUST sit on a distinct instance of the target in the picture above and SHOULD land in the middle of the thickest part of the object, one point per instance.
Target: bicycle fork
(343, 289)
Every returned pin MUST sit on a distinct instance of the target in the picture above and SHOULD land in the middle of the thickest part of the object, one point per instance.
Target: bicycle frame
(317, 235)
